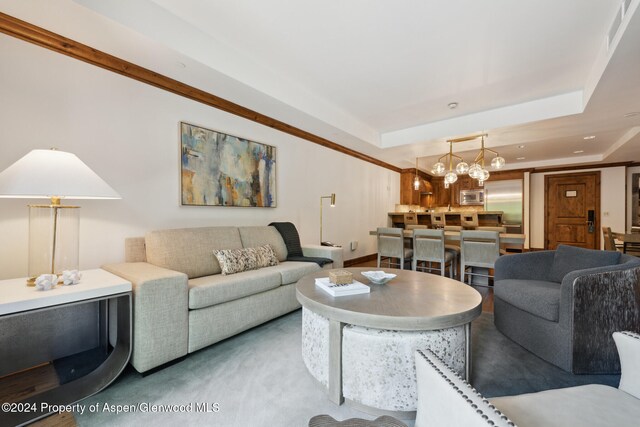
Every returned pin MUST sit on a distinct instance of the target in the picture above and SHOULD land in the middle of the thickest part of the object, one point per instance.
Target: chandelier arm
(494, 152)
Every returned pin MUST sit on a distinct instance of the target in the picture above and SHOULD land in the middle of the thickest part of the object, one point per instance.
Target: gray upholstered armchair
(564, 305)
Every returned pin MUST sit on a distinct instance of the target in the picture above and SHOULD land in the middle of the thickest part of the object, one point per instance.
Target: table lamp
(53, 228)
(333, 203)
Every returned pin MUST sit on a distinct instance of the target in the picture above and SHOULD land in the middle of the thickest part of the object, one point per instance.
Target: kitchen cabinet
(423, 196)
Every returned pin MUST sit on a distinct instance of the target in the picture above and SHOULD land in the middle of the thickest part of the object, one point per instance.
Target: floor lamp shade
(53, 228)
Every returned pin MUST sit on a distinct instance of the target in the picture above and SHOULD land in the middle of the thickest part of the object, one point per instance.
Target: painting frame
(224, 170)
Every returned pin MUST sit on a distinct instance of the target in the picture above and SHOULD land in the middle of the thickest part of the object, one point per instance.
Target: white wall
(128, 133)
(612, 202)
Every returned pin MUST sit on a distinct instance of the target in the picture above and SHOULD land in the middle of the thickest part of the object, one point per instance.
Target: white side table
(41, 326)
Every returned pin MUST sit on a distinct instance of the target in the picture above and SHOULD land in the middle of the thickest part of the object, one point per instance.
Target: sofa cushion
(587, 405)
(190, 250)
(292, 271)
(211, 290)
(236, 260)
(263, 235)
(533, 296)
(572, 258)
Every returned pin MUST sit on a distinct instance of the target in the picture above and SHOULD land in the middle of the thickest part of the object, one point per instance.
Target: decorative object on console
(53, 228)
(333, 204)
(476, 171)
(70, 277)
(224, 170)
(45, 282)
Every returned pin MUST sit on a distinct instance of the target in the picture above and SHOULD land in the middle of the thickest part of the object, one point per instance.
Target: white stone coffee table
(361, 347)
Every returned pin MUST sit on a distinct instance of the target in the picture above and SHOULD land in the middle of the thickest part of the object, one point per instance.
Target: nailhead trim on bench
(464, 396)
(631, 334)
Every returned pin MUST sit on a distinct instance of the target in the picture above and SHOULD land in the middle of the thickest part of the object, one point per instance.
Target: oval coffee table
(361, 346)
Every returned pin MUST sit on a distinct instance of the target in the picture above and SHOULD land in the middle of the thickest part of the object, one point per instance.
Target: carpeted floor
(502, 368)
(258, 379)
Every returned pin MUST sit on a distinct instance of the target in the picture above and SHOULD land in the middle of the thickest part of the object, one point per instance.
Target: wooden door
(571, 202)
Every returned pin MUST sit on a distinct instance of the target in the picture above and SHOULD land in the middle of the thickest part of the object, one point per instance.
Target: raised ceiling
(377, 75)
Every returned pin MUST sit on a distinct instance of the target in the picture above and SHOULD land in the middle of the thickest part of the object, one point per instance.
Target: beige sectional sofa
(182, 302)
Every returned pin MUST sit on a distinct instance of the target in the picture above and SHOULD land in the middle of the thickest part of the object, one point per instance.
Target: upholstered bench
(445, 399)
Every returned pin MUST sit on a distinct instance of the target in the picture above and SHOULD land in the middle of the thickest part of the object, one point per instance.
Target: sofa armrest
(160, 313)
(628, 344)
(594, 306)
(331, 252)
(526, 266)
(445, 399)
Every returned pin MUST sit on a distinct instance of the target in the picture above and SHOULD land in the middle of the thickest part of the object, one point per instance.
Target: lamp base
(53, 239)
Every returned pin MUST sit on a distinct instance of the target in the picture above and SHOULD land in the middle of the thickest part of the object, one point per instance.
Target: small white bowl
(378, 277)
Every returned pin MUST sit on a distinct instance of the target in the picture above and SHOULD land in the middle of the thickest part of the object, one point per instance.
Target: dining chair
(428, 246)
(478, 248)
(437, 220)
(609, 241)
(469, 219)
(391, 245)
(415, 226)
(499, 229)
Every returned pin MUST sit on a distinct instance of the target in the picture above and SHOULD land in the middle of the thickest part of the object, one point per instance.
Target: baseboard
(359, 260)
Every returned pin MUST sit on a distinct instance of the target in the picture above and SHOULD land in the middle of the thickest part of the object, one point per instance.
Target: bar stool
(478, 249)
(500, 229)
(410, 218)
(437, 220)
(391, 245)
(415, 227)
(428, 245)
(469, 219)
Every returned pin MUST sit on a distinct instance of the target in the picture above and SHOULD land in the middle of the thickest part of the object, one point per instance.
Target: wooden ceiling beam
(39, 36)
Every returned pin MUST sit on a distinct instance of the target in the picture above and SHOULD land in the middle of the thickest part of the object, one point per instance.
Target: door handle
(591, 220)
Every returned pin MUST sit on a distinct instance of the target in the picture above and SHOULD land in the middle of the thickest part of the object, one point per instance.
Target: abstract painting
(224, 170)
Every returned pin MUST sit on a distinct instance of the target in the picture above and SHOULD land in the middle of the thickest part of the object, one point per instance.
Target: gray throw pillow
(572, 258)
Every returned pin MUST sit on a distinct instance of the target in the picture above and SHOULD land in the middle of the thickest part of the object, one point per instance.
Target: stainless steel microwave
(471, 197)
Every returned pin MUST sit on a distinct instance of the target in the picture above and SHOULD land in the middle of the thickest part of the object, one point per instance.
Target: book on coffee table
(341, 290)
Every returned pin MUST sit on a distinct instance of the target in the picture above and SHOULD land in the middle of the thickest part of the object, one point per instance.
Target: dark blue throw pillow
(572, 258)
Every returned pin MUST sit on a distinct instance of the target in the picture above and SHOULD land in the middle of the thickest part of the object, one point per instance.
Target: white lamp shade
(49, 173)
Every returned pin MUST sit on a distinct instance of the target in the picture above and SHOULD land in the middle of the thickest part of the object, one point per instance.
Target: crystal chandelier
(476, 171)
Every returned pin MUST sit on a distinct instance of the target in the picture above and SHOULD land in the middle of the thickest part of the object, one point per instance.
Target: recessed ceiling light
(578, 151)
(632, 114)
(520, 146)
(452, 105)
(519, 158)
(589, 137)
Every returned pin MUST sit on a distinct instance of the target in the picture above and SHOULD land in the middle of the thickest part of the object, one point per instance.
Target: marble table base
(377, 367)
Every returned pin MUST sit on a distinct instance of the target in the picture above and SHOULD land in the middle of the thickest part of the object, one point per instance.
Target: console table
(40, 327)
